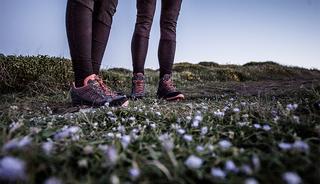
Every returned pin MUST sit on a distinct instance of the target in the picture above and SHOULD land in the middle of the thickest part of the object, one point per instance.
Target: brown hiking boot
(138, 86)
(167, 90)
(95, 93)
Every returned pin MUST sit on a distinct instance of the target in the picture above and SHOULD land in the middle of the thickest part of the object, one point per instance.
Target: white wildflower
(68, 132)
(224, 144)
(251, 181)
(83, 163)
(12, 169)
(53, 180)
(121, 129)
(292, 107)
(276, 118)
(125, 141)
(210, 147)
(193, 162)
(199, 149)
(175, 126)
(109, 113)
(47, 147)
(231, 166)
(111, 155)
(15, 126)
(181, 131)
(87, 110)
(195, 124)
(291, 178)
(297, 146)
(188, 118)
(103, 147)
(266, 127)
(113, 119)
(114, 179)
(132, 118)
(95, 125)
(153, 125)
(245, 116)
(34, 130)
(300, 146)
(204, 130)
(187, 137)
(236, 110)
(135, 130)
(285, 146)
(218, 173)
(197, 120)
(88, 149)
(246, 169)
(134, 172)
(256, 162)
(110, 135)
(118, 135)
(198, 117)
(14, 107)
(296, 119)
(257, 126)
(243, 103)
(243, 123)
(219, 114)
(158, 113)
(166, 141)
(17, 143)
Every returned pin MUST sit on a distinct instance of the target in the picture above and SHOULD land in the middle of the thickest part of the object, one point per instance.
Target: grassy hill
(252, 123)
(19, 73)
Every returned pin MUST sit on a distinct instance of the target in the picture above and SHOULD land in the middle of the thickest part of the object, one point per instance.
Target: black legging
(167, 46)
(88, 25)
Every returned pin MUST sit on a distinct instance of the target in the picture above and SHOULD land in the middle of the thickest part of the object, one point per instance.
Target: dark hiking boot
(117, 98)
(93, 93)
(138, 86)
(167, 90)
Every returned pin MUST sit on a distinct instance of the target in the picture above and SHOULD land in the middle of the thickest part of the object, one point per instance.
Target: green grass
(43, 116)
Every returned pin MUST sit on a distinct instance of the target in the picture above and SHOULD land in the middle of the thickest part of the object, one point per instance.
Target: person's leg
(79, 32)
(102, 21)
(140, 39)
(167, 46)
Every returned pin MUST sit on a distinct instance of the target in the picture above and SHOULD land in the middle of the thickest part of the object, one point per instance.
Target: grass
(116, 145)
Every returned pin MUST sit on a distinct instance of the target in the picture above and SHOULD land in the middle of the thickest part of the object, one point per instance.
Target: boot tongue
(138, 76)
(166, 77)
(91, 79)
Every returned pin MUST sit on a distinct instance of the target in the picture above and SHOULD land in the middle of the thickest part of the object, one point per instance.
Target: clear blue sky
(224, 31)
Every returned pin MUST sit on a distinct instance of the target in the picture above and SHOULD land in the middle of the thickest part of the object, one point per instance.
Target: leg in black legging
(140, 39)
(79, 32)
(102, 21)
(167, 46)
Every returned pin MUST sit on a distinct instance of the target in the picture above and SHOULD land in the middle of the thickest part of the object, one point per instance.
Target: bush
(20, 73)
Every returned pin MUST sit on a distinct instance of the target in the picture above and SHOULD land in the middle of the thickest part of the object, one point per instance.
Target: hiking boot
(117, 98)
(138, 86)
(93, 93)
(167, 90)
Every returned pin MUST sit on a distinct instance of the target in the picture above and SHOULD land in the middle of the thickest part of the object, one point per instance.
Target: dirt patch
(251, 88)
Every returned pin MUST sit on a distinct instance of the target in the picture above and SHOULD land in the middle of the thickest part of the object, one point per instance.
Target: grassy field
(255, 123)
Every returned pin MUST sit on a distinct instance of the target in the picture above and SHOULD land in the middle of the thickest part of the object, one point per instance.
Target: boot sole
(175, 98)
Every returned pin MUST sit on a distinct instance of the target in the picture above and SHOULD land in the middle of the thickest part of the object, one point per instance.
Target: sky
(223, 31)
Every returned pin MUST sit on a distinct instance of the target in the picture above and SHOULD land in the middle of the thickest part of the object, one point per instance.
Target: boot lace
(105, 88)
(138, 86)
(168, 85)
